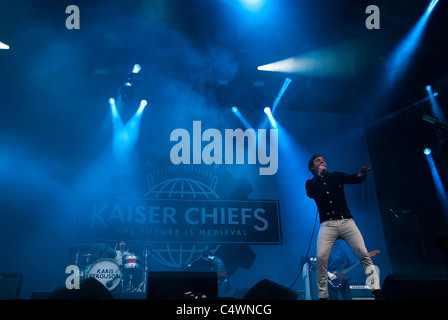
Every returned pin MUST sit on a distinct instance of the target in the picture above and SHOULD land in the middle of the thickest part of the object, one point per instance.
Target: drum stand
(143, 285)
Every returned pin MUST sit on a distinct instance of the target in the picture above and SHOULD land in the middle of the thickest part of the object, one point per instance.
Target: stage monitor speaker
(361, 292)
(406, 287)
(10, 286)
(89, 289)
(268, 290)
(182, 285)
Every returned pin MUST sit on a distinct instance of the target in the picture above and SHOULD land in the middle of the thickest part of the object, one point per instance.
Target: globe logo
(182, 188)
(182, 255)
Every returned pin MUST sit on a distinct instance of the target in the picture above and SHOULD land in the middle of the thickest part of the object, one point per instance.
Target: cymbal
(80, 248)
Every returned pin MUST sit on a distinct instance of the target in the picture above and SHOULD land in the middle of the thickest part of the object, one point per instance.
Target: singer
(327, 190)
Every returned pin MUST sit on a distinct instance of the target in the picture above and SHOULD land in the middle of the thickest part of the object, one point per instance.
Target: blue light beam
(431, 7)
(435, 108)
(241, 117)
(280, 94)
(440, 188)
(125, 136)
(116, 119)
(401, 57)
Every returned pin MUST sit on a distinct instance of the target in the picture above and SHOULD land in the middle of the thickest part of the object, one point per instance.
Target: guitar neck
(350, 268)
(372, 254)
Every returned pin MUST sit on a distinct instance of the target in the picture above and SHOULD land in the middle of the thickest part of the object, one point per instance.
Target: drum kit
(118, 269)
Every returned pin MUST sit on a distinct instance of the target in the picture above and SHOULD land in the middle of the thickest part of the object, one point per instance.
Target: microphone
(323, 172)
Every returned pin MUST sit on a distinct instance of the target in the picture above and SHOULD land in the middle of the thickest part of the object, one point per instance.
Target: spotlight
(234, 109)
(4, 46)
(267, 110)
(143, 104)
(136, 69)
(431, 6)
(111, 100)
(435, 108)
(252, 5)
(427, 151)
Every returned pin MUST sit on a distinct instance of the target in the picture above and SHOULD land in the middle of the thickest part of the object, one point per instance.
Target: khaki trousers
(344, 229)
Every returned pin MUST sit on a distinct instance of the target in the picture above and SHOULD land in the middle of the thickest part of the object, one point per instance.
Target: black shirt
(328, 193)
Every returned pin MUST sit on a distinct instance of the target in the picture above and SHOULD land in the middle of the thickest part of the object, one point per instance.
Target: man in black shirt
(327, 190)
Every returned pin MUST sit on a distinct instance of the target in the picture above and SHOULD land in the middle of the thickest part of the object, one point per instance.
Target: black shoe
(378, 295)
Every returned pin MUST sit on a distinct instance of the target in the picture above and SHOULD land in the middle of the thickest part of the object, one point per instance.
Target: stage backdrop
(260, 225)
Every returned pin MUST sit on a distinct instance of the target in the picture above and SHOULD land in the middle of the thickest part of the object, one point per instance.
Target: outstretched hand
(363, 171)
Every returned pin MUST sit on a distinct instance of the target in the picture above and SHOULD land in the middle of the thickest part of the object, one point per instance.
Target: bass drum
(106, 271)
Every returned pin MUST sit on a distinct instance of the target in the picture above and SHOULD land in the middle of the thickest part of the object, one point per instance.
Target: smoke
(56, 125)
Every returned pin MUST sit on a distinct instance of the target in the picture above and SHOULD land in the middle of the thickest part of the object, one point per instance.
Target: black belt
(339, 217)
(336, 217)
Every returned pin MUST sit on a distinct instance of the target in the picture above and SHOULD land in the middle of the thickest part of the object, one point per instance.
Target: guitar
(339, 278)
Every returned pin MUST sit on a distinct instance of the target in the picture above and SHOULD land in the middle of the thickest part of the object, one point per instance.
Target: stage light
(334, 61)
(435, 108)
(125, 136)
(431, 7)
(267, 110)
(234, 109)
(143, 104)
(427, 151)
(4, 46)
(253, 5)
(136, 69)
